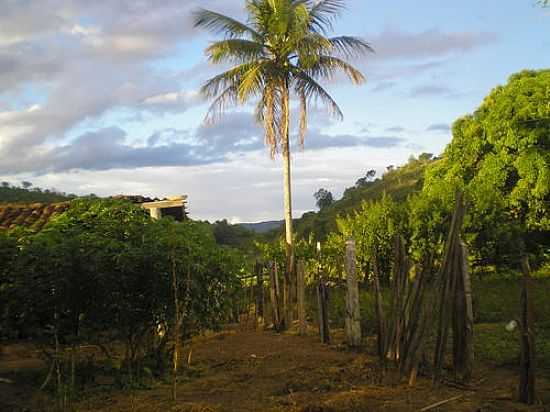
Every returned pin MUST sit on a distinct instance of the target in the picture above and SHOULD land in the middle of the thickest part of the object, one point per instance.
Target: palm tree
(281, 51)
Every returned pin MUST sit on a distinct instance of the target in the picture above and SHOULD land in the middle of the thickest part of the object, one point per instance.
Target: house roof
(33, 216)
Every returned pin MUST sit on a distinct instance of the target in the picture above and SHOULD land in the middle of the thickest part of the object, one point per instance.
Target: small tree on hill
(369, 177)
(323, 198)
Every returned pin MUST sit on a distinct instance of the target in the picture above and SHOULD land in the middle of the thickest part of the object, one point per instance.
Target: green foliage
(233, 235)
(374, 228)
(8, 254)
(102, 272)
(398, 184)
(500, 156)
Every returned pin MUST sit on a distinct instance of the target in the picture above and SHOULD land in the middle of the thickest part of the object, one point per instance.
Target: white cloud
(248, 188)
(394, 43)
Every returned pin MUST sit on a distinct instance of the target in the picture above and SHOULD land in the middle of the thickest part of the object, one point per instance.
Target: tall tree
(282, 51)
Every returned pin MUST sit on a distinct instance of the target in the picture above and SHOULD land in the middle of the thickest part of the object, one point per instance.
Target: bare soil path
(263, 371)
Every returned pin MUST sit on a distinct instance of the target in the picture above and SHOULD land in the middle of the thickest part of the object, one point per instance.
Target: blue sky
(102, 97)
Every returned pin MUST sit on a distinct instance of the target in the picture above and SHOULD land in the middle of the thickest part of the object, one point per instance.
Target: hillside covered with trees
(397, 183)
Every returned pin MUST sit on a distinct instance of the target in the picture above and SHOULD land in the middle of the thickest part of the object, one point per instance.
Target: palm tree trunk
(289, 270)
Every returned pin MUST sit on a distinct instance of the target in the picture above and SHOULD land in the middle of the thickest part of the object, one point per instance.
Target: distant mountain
(262, 227)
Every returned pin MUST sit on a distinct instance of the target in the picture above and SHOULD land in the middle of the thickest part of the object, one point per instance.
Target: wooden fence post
(463, 319)
(400, 286)
(322, 297)
(380, 318)
(353, 314)
(274, 294)
(527, 365)
(285, 310)
(259, 293)
(301, 297)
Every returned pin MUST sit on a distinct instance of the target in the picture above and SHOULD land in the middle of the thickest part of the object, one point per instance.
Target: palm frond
(219, 23)
(350, 47)
(310, 46)
(268, 113)
(217, 84)
(328, 66)
(234, 51)
(251, 82)
(323, 13)
(230, 96)
(259, 14)
(314, 91)
(271, 122)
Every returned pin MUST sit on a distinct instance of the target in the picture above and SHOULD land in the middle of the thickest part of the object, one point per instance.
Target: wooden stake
(259, 269)
(420, 303)
(273, 289)
(353, 314)
(322, 296)
(463, 320)
(380, 319)
(302, 327)
(177, 325)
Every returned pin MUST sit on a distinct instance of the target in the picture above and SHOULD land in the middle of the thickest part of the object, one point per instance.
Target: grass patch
(498, 300)
(494, 344)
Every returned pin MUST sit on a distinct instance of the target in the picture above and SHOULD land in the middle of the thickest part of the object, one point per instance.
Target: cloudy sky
(101, 97)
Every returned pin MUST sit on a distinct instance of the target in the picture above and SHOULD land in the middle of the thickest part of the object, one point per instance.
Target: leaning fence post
(301, 297)
(353, 314)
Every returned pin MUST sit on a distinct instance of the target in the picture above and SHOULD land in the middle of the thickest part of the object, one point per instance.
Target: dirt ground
(239, 370)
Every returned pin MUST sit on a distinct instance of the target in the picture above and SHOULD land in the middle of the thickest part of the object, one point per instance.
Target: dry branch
(437, 404)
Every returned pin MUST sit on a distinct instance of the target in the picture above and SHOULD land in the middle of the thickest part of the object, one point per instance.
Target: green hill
(397, 183)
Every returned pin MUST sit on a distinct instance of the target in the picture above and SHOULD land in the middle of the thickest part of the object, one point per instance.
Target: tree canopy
(500, 156)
